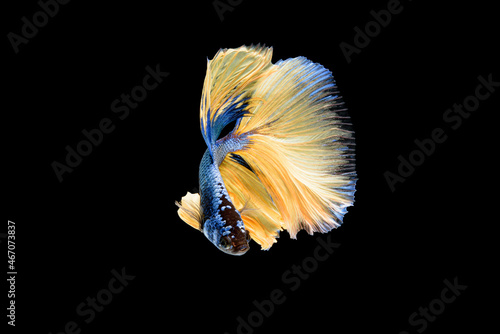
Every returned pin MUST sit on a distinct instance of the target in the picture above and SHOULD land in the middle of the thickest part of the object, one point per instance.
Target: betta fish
(287, 163)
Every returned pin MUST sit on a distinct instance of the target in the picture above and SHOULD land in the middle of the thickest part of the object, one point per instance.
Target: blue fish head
(230, 237)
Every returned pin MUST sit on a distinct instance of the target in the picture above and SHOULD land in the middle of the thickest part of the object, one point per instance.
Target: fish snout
(240, 249)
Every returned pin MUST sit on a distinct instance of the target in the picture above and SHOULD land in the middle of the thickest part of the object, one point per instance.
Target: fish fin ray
(259, 214)
(229, 81)
(300, 147)
(190, 210)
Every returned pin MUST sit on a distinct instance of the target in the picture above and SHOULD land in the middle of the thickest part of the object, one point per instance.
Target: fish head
(230, 237)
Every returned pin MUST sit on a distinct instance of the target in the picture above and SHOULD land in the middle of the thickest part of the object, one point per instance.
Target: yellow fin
(259, 214)
(229, 81)
(190, 210)
(299, 147)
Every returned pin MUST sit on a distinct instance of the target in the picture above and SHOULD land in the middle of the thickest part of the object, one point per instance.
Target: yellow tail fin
(300, 148)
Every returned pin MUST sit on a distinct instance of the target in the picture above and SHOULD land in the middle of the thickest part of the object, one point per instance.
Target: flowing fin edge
(190, 210)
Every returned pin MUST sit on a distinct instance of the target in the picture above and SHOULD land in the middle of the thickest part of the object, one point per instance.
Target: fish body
(288, 163)
(222, 223)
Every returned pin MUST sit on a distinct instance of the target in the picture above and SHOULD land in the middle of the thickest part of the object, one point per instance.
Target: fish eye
(247, 235)
(225, 242)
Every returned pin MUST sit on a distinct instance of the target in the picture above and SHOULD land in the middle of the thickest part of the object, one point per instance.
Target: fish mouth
(240, 249)
(236, 250)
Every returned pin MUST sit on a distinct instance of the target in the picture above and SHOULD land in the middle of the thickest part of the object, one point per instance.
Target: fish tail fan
(300, 148)
(229, 83)
(190, 210)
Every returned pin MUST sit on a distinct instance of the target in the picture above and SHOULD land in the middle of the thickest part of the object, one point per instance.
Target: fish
(287, 161)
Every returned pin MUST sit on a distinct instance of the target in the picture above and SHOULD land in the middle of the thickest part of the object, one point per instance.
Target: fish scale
(215, 200)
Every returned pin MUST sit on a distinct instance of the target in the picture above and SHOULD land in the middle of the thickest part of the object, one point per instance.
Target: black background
(116, 209)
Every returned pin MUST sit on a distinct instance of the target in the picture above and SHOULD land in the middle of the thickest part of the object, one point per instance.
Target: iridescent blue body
(222, 223)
